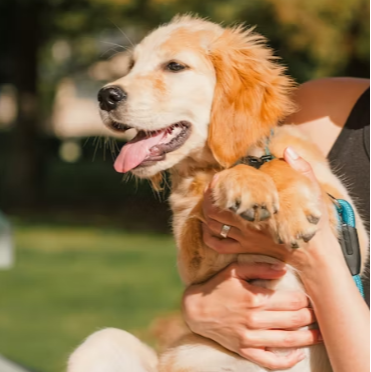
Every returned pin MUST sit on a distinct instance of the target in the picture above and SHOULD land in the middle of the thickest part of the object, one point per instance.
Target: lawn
(69, 281)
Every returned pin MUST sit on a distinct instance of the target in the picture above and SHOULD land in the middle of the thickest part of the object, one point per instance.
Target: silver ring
(225, 231)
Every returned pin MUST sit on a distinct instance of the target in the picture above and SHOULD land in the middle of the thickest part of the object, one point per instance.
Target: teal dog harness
(348, 239)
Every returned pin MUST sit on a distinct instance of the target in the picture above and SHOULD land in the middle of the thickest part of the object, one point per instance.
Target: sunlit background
(92, 251)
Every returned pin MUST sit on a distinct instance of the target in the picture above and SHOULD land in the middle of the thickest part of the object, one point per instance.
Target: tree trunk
(357, 67)
(24, 178)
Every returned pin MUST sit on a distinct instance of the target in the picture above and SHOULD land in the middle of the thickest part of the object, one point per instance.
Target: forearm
(341, 312)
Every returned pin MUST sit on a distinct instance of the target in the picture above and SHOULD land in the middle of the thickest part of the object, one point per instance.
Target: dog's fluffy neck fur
(203, 160)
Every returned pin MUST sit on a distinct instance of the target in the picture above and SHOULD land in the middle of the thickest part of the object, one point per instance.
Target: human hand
(247, 319)
(242, 239)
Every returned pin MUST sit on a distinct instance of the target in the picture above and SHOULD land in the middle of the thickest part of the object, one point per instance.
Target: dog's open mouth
(147, 148)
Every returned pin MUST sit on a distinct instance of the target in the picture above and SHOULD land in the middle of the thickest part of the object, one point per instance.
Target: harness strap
(348, 240)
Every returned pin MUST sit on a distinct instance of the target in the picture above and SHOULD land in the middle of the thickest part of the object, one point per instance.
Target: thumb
(299, 164)
(249, 271)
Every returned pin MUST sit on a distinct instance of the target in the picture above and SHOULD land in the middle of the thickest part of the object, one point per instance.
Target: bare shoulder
(324, 106)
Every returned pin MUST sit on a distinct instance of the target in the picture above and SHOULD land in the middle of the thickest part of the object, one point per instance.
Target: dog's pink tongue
(133, 153)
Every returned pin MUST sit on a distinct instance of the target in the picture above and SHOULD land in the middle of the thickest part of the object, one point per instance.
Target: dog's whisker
(109, 50)
(86, 141)
(118, 45)
(112, 148)
(123, 33)
(115, 54)
(99, 143)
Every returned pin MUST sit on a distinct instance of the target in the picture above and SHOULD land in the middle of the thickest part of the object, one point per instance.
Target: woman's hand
(246, 319)
(242, 239)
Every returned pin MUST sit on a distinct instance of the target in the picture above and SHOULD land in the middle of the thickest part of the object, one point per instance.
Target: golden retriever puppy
(201, 97)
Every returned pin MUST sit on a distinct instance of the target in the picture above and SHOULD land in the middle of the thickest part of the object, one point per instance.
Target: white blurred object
(8, 366)
(6, 244)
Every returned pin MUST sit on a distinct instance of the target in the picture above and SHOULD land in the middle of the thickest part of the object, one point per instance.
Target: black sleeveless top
(350, 159)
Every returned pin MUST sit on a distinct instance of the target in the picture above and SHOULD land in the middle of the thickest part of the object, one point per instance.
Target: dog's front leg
(112, 350)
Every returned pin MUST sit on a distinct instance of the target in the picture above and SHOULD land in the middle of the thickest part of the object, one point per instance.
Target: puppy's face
(192, 84)
(166, 96)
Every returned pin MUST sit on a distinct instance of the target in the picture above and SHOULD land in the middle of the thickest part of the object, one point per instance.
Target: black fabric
(350, 160)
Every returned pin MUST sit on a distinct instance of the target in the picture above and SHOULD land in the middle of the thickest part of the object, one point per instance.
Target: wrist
(320, 258)
(191, 308)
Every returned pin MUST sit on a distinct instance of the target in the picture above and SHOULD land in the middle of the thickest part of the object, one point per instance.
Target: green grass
(70, 281)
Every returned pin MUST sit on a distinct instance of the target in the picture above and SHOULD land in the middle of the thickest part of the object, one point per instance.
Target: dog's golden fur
(251, 95)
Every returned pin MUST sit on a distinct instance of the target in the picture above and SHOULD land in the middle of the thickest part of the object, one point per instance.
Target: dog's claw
(249, 215)
(280, 241)
(264, 213)
(308, 237)
(256, 213)
(236, 206)
(313, 219)
(295, 245)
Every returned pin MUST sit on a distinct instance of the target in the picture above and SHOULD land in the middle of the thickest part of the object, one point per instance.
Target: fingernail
(278, 266)
(301, 355)
(293, 155)
(206, 188)
(213, 181)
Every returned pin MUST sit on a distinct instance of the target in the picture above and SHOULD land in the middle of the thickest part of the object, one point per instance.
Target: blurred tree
(314, 38)
(7, 11)
(26, 161)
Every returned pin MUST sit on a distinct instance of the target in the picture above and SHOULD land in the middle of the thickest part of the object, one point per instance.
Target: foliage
(314, 37)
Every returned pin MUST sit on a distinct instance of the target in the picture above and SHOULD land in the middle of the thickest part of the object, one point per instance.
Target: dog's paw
(248, 192)
(297, 221)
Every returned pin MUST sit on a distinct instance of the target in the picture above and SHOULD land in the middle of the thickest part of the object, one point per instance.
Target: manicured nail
(278, 266)
(292, 154)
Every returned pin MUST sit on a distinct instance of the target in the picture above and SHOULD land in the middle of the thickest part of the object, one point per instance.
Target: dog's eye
(175, 67)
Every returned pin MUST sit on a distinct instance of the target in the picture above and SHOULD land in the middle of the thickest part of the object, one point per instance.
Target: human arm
(323, 107)
(341, 312)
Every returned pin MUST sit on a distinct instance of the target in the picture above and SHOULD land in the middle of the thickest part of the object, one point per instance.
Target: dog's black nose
(109, 97)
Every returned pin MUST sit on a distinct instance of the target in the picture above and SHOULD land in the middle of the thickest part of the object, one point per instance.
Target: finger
(272, 361)
(282, 339)
(280, 319)
(249, 271)
(287, 301)
(299, 164)
(220, 245)
(216, 227)
(211, 211)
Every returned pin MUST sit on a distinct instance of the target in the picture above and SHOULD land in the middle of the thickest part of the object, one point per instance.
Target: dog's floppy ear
(251, 94)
